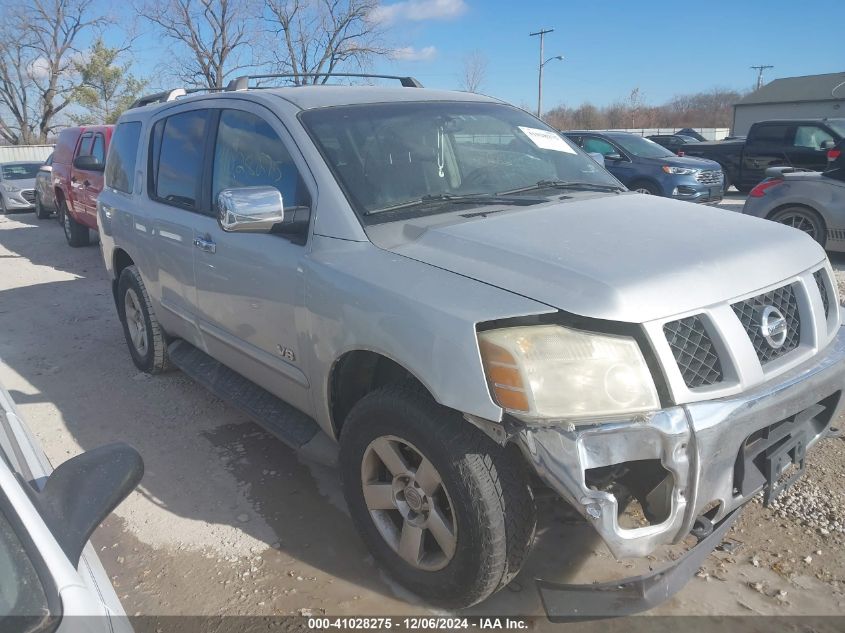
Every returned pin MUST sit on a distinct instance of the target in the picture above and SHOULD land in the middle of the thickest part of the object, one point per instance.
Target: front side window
(811, 137)
(387, 156)
(21, 591)
(98, 149)
(122, 154)
(248, 153)
(598, 146)
(177, 153)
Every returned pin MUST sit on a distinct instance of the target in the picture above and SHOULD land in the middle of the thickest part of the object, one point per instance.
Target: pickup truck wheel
(803, 219)
(144, 336)
(444, 509)
(75, 233)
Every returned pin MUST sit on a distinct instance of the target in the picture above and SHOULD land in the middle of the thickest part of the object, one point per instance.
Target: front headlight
(10, 188)
(679, 171)
(549, 371)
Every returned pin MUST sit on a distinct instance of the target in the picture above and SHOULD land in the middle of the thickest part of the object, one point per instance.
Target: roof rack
(169, 95)
(242, 83)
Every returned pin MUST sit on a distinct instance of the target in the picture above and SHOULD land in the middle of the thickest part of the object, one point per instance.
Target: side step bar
(287, 423)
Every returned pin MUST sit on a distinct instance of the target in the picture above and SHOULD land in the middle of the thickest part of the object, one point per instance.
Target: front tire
(75, 233)
(803, 219)
(444, 509)
(646, 188)
(144, 336)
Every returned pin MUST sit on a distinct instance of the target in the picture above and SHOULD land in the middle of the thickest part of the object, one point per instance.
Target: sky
(610, 47)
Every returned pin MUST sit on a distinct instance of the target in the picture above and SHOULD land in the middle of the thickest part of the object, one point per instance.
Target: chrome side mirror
(250, 209)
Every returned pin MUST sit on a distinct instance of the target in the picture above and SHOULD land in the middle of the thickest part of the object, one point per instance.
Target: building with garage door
(808, 97)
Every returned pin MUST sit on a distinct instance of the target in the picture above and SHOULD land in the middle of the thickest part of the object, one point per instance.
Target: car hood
(23, 183)
(626, 257)
(684, 161)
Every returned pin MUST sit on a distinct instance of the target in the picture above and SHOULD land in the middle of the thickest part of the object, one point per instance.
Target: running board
(287, 423)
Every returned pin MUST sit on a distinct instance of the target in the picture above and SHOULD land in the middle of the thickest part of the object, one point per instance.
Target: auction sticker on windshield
(546, 140)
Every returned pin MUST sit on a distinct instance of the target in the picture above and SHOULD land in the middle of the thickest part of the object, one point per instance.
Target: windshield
(838, 126)
(642, 147)
(390, 155)
(20, 171)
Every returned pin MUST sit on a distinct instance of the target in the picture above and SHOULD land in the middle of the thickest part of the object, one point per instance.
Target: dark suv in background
(645, 166)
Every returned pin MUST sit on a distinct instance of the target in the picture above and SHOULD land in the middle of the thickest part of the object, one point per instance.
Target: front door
(250, 286)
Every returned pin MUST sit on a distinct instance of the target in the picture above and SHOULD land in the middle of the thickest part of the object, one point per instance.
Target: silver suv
(471, 309)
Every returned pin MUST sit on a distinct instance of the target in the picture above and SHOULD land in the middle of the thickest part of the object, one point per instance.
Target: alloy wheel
(801, 222)
(135, 322)
(409, 503)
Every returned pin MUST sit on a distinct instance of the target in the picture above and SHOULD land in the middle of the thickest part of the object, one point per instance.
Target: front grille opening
(643, 490)
(750, 314)
(750, 466)
(694, 352)
(819, 277)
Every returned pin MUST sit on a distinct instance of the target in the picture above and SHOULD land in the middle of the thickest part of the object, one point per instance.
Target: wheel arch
(805, 207)
(358, 372)
(120, 260)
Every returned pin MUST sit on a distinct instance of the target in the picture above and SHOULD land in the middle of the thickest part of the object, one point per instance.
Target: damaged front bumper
(711, 458)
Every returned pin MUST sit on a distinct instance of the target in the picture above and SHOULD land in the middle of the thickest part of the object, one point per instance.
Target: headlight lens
(549, 371)
(10, 188)
(679, 171)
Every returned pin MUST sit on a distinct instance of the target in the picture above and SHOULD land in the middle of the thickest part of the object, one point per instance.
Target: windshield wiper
(563, 184)
(478, 198)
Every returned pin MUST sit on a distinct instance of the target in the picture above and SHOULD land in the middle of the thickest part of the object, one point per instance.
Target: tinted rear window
(769, 134)
(178, 158)
(122, 153)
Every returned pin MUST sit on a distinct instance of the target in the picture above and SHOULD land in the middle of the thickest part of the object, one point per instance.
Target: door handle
(206, 245)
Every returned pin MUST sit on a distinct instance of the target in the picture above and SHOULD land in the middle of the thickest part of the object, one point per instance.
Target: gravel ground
(228, 521)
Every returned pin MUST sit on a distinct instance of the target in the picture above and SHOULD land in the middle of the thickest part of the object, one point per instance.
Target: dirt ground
(227, 520)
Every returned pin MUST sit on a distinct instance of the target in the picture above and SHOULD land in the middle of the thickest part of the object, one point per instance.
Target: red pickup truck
(78, 163)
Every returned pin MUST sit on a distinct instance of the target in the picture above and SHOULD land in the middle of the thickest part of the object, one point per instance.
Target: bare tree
(474, 71)
(323, 36)
(211, 38)
(38, 50)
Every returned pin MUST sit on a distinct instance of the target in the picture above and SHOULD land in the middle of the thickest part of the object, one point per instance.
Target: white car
(49, 572)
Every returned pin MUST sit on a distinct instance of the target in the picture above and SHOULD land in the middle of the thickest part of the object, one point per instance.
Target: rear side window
(769, 134)
(122, 153)
(177, 151)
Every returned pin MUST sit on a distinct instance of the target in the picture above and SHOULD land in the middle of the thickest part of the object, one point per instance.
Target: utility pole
(541, 33)
(760, 70)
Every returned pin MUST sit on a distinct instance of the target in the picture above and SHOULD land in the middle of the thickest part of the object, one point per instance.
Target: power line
(760, 70)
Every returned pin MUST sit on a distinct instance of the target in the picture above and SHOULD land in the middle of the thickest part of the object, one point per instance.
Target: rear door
(250, 286)
(176, 207)
(766, 147)
(809, 147)
(77, 177)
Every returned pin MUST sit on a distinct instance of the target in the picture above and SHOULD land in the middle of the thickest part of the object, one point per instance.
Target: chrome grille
(750, 311)
(28, 195)
(694, 352)
(819, 277)
(710, 177)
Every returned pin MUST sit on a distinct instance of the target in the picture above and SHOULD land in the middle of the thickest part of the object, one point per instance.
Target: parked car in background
(17, 186)
(45, 196)
(645, 166)
(464, 304)
(811, 201)
(78, 164)
(801, 143)
(673, 142)
(689, 132)
(50, 575)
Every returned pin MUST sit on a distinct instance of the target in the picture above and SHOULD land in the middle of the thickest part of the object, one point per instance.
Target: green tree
(106, 87)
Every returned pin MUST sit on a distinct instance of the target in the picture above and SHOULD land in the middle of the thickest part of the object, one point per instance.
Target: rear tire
(40, 212)
(75, 233)
(481, 491)
(804, 219)
(145, 338)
